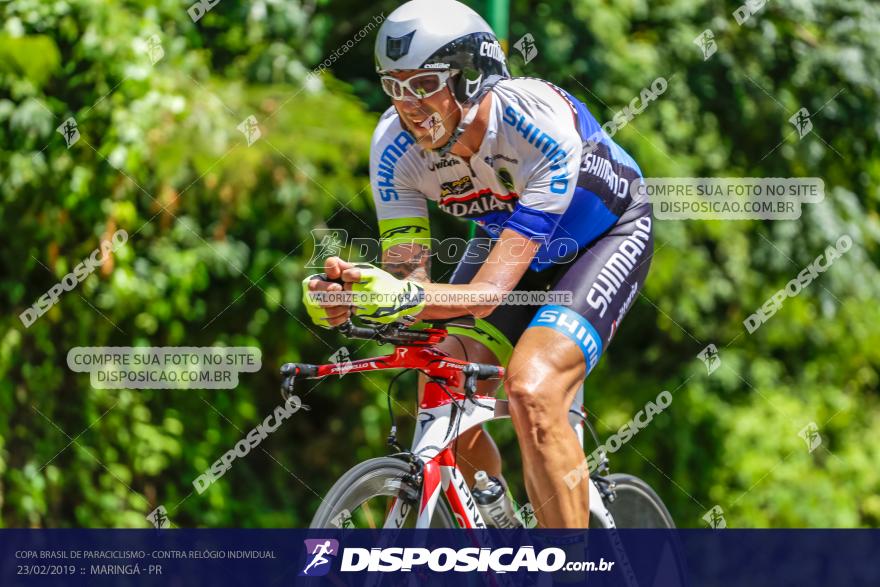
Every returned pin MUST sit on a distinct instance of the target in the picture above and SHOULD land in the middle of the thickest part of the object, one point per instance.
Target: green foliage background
(219, 234)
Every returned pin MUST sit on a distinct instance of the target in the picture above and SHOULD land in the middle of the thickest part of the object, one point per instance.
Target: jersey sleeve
(401, 208)
(545, 135)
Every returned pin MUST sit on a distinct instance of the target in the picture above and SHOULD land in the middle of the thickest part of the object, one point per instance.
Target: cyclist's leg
(560, 346)
(544, 373)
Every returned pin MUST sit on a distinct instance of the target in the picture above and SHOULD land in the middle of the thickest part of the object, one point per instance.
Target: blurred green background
(219, 233)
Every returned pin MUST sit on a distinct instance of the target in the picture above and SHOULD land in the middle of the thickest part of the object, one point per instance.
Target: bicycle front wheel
(637, 505)
(363, 496)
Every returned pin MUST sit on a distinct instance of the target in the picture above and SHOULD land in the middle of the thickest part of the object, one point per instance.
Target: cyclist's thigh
(604, 281)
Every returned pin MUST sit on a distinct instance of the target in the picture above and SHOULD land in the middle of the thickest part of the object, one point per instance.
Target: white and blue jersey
(536, 172)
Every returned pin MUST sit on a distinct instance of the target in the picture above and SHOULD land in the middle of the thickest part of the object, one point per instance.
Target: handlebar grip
(348, 328)
(484, 371)
(299, 370)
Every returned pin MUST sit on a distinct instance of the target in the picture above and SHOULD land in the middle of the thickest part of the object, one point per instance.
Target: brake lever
(470, 380)
(290, 371)
(472, 373)
(287, 385)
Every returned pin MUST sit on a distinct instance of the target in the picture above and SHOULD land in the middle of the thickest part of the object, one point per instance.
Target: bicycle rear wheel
(362, 497)
(636, 505)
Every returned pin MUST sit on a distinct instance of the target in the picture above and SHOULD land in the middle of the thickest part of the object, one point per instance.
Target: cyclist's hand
(392, 300)
(326, 315)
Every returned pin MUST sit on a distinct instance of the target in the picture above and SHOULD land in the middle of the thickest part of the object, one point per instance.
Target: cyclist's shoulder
(556, 109)
(522, 86)
(540, 96)
(533, 92)
(529, 108)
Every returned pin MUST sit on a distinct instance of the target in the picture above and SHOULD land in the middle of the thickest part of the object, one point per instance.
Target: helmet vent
(397, 47)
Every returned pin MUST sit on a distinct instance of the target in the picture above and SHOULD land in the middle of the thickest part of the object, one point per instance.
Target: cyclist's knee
(543, 377)
(532, 407)
(540, 391)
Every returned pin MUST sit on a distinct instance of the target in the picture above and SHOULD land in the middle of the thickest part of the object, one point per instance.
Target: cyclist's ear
(334, 266)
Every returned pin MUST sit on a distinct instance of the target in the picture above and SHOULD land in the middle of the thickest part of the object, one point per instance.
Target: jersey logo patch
(457, 187)
(432, 166)
(505, 178)
(491, 159)
(477, 204)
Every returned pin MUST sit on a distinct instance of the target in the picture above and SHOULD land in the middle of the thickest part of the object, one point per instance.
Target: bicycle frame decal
(459, 496)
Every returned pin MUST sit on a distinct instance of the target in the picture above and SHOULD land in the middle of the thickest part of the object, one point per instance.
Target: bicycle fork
(434, 459)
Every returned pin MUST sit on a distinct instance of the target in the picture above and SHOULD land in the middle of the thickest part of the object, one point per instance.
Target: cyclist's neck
(471, 139)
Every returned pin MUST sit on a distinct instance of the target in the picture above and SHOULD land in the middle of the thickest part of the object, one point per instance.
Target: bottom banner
(650, 558)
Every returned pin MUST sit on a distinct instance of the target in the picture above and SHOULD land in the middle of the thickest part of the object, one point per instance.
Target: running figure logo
(154, 49)
(318, 552)
(159, 517)
(706, 42)
(328, 242)
(710, 358)
(715, 518)
(810, 434)
(250, 129)
(527, 47)
(69, 131)
(801, 121)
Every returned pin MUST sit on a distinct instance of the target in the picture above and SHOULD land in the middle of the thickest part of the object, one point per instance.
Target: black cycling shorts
(603, 278)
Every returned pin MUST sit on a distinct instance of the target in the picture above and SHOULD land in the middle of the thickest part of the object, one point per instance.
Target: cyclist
(550, 192)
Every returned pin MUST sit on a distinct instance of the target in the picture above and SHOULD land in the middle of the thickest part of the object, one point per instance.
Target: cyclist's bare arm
(408, 261)
(507, 263)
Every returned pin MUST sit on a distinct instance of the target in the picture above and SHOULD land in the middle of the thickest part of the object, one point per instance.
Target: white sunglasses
(421, 85)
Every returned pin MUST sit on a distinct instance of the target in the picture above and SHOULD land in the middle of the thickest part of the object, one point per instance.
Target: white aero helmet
(442, 35)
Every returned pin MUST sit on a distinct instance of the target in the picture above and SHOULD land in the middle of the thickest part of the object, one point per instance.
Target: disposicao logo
(319, 552)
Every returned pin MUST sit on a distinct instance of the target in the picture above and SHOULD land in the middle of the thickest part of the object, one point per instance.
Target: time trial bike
(422, 487)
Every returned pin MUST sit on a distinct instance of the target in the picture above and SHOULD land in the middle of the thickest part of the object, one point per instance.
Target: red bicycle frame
(449, 406)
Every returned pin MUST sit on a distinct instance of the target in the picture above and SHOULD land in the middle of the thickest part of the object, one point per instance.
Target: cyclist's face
(431, 120)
